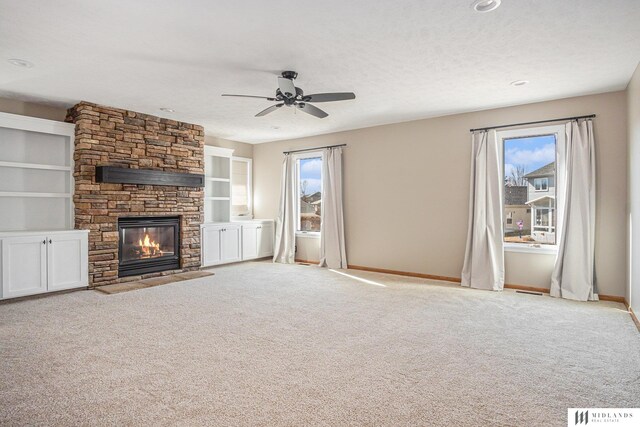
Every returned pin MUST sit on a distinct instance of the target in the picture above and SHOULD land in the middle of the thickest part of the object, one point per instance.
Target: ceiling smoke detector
(519, 83)
(20, 63)
(483, 6)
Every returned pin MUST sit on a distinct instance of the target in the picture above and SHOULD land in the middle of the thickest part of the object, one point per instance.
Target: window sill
(530, 249)
(308, 234)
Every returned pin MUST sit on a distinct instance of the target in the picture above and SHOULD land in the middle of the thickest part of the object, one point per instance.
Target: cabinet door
(24, 266)
(265, 240)
(67, 261)
(249, 241)
(211, 246)
(231, 243)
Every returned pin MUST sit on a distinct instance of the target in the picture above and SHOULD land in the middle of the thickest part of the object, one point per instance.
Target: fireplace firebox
(148, 245)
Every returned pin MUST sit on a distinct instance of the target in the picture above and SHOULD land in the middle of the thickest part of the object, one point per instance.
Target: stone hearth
(108, 136)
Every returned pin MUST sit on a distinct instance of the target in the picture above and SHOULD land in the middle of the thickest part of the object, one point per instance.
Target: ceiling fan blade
(329, 97)
(287, 87)
(269, 110)
(250, 96)
(310, 109)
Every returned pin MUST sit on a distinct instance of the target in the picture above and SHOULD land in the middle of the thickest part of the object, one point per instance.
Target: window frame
(559, 132)
(249, 162)
(297, 157)
(549, 218)
(544, 180)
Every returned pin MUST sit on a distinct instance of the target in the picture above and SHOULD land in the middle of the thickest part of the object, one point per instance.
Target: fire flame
(148, 246)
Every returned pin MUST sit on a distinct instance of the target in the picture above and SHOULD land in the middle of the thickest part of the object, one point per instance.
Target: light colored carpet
(263, 344)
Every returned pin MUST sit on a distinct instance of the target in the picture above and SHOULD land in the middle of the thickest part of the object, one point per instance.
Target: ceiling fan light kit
(287, 94)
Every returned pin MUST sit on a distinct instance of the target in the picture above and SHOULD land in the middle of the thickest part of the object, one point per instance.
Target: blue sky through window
(310, 170)
(531, 152)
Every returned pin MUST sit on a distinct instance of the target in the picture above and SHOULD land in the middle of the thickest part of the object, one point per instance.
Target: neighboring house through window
(543, 205)
(529, 167)
(309, 184)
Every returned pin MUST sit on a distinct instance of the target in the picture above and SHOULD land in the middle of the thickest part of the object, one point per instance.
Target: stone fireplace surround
(106, 136)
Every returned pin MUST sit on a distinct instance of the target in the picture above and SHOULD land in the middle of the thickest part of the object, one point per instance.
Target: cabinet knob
(50, 241)
(44, 242)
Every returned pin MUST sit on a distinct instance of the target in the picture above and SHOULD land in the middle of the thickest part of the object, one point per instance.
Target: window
(529, 167)
(542, 218)
(541, 184)
(241, 187)
(309, 180)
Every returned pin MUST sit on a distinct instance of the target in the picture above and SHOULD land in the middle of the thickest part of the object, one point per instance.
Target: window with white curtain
(530, 158)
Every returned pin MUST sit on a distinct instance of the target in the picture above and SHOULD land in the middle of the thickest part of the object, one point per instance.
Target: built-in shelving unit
(217, 187)
(36, 174)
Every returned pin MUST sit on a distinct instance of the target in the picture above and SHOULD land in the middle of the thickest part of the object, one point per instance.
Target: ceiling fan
(291, 96)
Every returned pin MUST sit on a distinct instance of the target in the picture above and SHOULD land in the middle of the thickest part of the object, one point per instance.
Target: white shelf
(30, 194)
(35, 166)
(217, 185)
(36, 174)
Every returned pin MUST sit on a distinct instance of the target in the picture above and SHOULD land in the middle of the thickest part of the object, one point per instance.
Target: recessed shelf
(36, 173)
(34, 166)
(217, 184)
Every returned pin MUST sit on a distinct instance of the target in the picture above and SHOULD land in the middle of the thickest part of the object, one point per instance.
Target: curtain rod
(590, 116)
(312, 149)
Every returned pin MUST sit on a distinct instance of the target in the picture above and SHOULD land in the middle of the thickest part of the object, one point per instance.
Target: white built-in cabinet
(223, 240)
(217, 184)
(36, 173)
(34, 263)
(39, 250)
(257, 239)
(236, 241)
(221, 244)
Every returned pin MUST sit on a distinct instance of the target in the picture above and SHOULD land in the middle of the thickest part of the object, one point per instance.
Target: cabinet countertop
(38, 233)
(239, 222)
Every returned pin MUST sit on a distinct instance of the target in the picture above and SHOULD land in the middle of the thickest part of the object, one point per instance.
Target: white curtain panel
(574, 272)
(285, 242)
(484, 257)
(332, 249)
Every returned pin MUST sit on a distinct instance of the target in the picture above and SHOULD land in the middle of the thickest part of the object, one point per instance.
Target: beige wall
(406, 190)
(240, 149)
(633, 98)
(32, 109)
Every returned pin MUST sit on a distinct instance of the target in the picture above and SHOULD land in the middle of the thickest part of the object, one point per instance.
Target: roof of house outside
(546, 170)
(313, 197)
(515, 195)
(539, 199)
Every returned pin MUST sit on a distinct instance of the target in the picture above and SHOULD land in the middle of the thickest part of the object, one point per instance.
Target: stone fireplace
(106, 136)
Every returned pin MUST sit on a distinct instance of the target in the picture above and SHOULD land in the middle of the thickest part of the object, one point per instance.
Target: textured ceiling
(404, 59)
